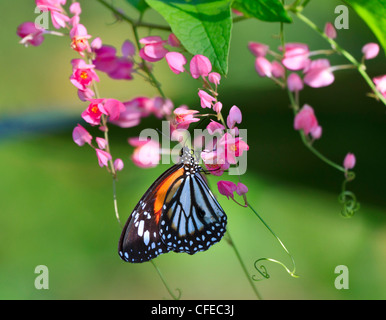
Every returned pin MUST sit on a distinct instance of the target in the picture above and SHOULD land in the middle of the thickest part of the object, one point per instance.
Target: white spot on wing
(140, 228)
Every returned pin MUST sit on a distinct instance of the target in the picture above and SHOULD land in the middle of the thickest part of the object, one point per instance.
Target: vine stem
(111, 163)
(359, 66)
(130, 20)
(165, 283)
(293, 272)
(237, 253)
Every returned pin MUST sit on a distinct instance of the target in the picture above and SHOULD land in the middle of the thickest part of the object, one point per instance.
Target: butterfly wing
(192, 220)
(140, 240)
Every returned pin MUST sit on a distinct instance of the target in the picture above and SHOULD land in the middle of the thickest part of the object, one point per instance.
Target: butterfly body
(178, 213)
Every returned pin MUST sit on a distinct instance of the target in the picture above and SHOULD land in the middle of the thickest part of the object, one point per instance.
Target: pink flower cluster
(296, 57)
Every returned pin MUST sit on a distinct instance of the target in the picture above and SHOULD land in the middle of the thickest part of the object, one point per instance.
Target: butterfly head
(191, 165)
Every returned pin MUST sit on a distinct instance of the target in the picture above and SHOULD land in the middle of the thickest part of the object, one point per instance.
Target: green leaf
(266, 10)
(140, 5)
(373, 12)
(203, 27)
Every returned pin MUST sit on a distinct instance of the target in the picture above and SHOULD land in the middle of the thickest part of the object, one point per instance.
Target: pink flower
(85, 95)
(106, 60)
(75, 8)
(217, 107)
(380, 83)
(370, 50)
(153, 50)
(161, 107)
(294, 82)
(176, 61)
(30, 34)
(258, 49)
(58, 17)
(316, 132)
(214, 163)
(102, 143)
(128, 49)
(206, 99)
(113, 108)
(173, 40)
(214, 127)
(81, 136)
(130, 116)
(200, 66)
(184, 117)
(263, 67)
(103, 157)
(122, 70)
(241, 189)
(306, 120)
(118, 164)
(277, 69)
(229, 148)
(83, 74)
(349, 161)
(234, 117)
(295, 56)
(330, 31)
(94, 112)
(105, 57)
(80, 36)
(319, 74)
(214, 77)
(146, 154)
(226, 188)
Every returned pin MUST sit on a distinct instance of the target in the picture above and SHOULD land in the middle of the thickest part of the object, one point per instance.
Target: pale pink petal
(214, 77)
(128, 49)
(102, 143)
(118, 164)
(330, 31)
(295, 56)
(294, 82)
(103, 157)
(200, 66)
(226, 188)
(370, 50)
(176, 61)
(263, 67)
(258, 49)
(214, 127)
(241, 189)
(81, 136)
(318, 74)
(305, 119)
(349, 161)
(234, 117)
(113, 108)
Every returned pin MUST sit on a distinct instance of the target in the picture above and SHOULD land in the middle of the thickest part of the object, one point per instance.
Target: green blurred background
(56, 202)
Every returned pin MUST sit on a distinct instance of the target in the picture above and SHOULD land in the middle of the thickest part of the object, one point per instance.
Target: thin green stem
(292, 272)
(243, 266)
(359, 66)
(126, 18)
(178, 297)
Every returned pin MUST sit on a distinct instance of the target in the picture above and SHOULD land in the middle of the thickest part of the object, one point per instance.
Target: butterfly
(177, 213)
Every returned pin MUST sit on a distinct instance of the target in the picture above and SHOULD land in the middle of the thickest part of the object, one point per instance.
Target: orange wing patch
(162, 190)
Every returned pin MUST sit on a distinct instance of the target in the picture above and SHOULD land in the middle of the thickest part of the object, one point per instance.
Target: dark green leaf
(202, 26)
(140, 5)
(266, 10)
(373, 12)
